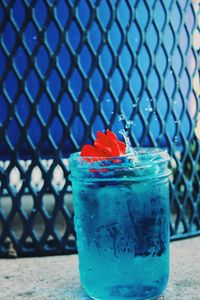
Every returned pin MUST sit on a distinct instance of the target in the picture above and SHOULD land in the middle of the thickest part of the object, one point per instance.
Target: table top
(57, 277)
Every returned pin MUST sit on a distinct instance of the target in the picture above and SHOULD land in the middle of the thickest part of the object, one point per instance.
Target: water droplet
(149, 108)
(69, 188)
(176, 121)
(107, 100)
(121, 117)
(129, 148)
(175, 139)
(134, 105)
(129, 124)
(112, 112)
(123, 132)
(34, 37)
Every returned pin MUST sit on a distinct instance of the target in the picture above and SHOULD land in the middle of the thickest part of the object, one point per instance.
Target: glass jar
(121, 207)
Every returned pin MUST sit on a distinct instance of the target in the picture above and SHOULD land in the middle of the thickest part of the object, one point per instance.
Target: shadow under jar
(121, 209)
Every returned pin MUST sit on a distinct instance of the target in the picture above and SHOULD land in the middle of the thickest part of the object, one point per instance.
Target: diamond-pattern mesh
(70, 68)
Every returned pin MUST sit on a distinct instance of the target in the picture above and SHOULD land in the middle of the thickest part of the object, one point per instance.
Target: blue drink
(122, 225)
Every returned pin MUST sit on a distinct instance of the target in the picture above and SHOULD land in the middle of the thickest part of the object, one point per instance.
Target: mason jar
(121, 207)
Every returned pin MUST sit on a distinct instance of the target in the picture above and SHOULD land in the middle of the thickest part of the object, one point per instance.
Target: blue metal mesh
(70, 68)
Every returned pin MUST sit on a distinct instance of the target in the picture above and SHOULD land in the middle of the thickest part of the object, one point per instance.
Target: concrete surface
(57, 277)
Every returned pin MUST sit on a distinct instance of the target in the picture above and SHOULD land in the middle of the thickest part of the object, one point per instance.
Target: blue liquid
(123, 238)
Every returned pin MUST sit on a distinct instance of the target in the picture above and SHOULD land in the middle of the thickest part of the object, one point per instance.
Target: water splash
(129, 148)
(124, 133)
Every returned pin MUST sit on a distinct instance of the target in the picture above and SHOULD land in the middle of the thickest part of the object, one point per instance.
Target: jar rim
(152, 155)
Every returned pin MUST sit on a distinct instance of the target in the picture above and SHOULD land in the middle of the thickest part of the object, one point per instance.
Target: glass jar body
(123, 237)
